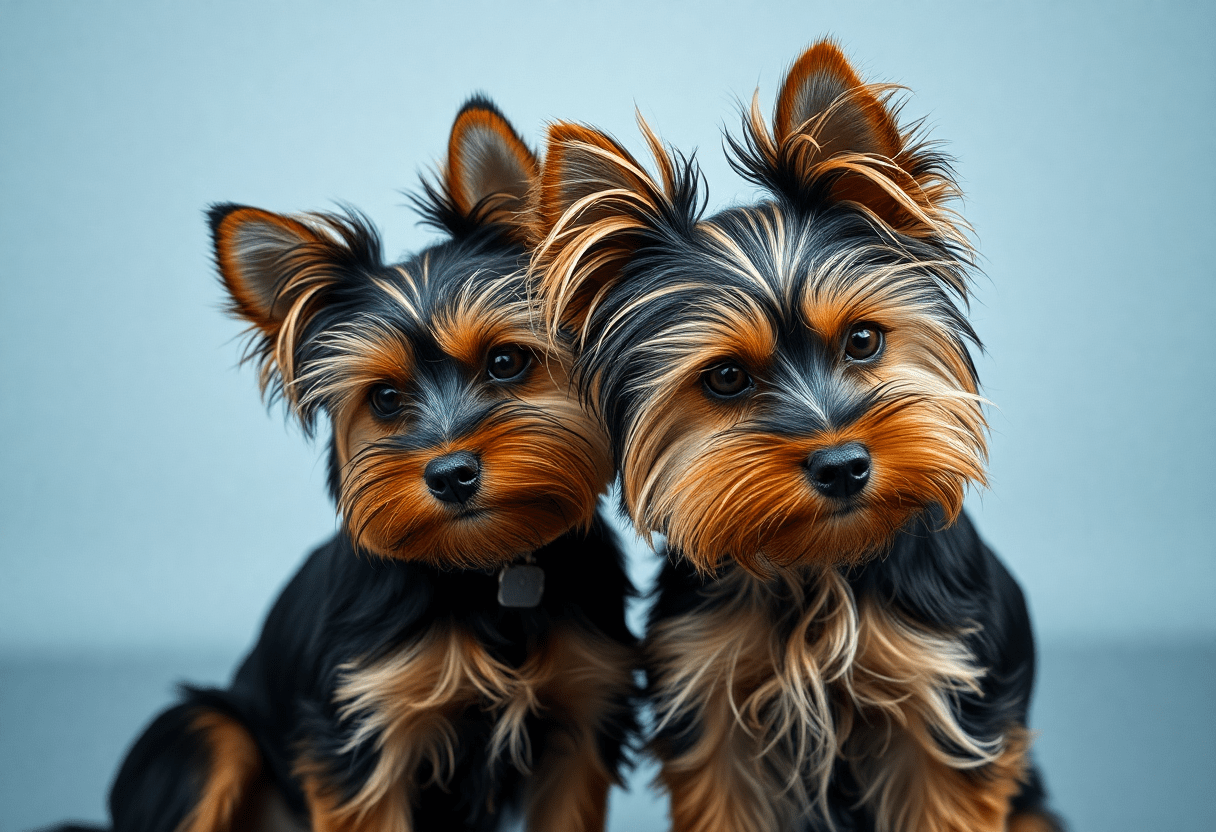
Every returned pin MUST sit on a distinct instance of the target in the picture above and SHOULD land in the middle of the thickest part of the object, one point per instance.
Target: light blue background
(149, 504)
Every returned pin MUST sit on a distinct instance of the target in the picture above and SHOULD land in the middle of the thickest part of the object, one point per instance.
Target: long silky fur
(856, 224)
(391, 689)
(346, 244)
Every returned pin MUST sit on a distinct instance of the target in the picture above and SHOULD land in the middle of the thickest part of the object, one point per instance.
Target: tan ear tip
(483, 119)
(824, 50)
(222, 215)
(481, 112)
(561, 132)
(828, 45)
(479, 106)
(827, 56)
(227, 217)
(480, 115)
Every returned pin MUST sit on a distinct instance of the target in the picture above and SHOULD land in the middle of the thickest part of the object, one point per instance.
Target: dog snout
(841, 471)
(454, 477)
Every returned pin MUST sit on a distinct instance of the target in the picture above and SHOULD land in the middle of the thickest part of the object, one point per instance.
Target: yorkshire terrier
(457, 655)
(792, 402)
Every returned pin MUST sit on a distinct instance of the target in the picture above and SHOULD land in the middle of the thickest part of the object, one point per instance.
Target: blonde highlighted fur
(404, 705)
(780, 681)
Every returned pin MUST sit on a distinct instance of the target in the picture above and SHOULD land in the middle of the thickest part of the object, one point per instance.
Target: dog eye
(386, 401)
(508, 363)
(864, 341)
(726, 380)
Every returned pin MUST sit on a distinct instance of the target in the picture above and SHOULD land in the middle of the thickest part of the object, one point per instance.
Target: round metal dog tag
(521, 585)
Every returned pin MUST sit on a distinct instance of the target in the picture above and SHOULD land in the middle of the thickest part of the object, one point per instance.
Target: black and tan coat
(389, 690)
(792, 402)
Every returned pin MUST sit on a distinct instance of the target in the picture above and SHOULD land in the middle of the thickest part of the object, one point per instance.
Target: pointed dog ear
(836, 139)
(279, 271)
(488, 163)
(595, 207)
(822, 96)
(583, 164)
(254, 250)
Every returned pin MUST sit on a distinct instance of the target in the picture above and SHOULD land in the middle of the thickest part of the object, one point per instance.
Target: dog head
(455, 440)
(786, 382)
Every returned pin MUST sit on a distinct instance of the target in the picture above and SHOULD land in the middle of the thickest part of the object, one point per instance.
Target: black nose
(839, 472)
(453, 477)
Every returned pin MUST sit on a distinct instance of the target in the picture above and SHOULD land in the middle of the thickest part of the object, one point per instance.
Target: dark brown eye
(386, 402)
(864, 341)
(727, 380)
(508, 363)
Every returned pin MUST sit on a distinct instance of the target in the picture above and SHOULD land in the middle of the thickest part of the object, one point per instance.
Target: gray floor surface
(1127, 735)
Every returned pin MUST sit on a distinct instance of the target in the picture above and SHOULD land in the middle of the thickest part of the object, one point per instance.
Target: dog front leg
(588, 691)
(911, 786)
(714, 764)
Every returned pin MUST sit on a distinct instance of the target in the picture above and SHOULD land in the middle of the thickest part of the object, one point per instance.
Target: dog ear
(836, 139)
(822, 97)
(595, 207)
(279, 271)
(257, 252)
(488, 164)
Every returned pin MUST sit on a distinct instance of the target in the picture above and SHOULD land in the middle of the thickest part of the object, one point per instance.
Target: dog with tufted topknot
(792, 402)
(457, 654)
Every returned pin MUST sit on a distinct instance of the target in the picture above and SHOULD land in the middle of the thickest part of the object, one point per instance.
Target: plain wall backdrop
(148, 500)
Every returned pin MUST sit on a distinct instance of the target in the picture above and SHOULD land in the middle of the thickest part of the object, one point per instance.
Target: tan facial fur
(709, 475)
(544, 459)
